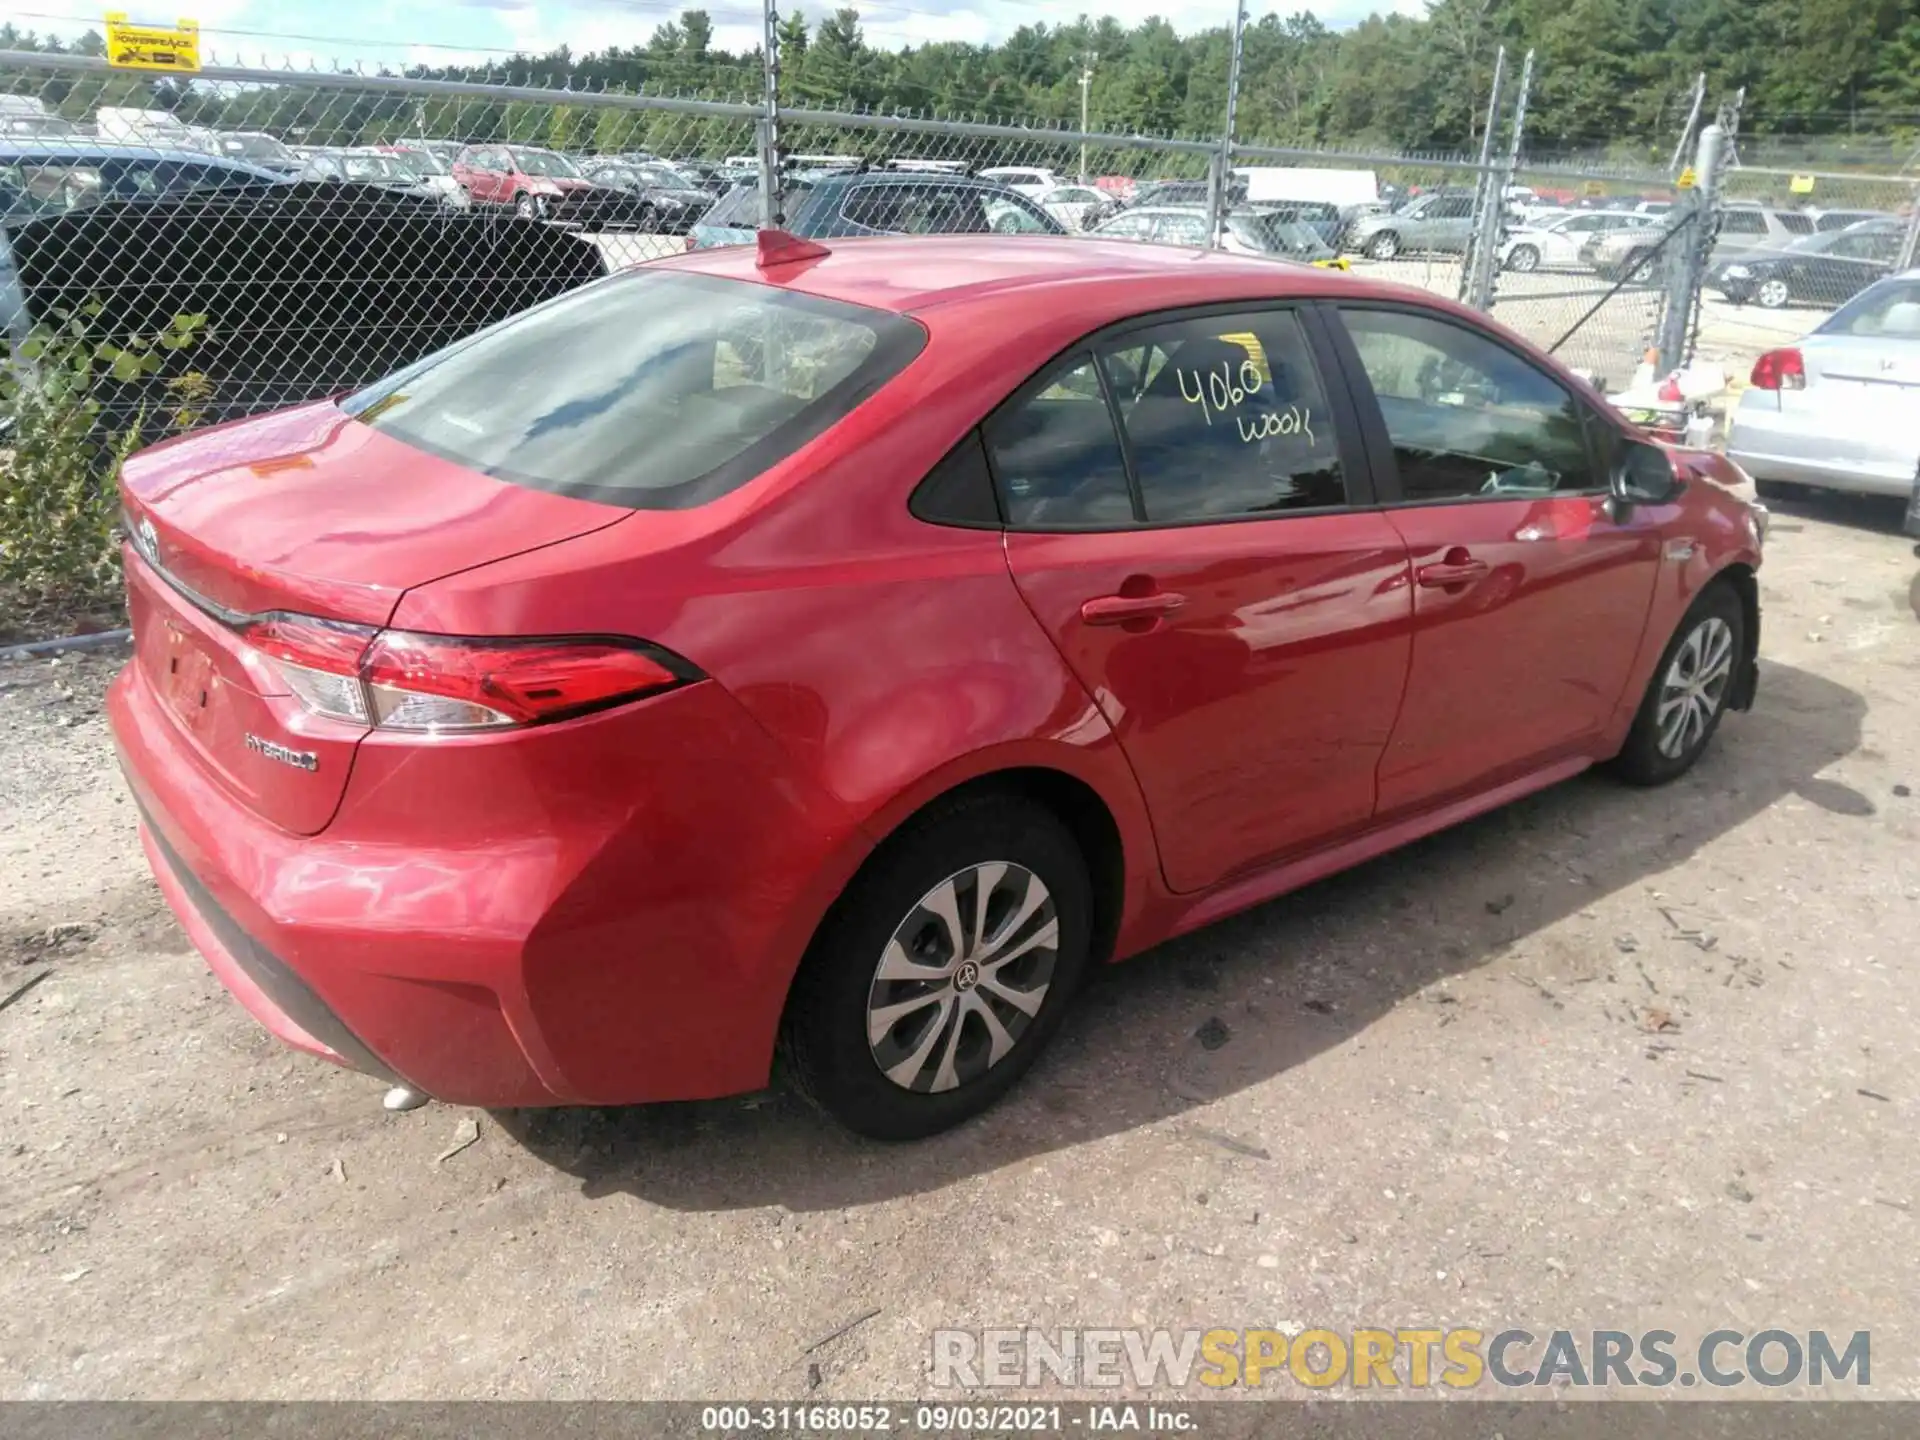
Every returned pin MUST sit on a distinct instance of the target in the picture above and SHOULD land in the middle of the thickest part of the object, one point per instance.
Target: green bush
(60, 455)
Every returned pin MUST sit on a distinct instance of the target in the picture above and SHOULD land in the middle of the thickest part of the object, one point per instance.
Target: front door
(1529, 598)
(1205, 569)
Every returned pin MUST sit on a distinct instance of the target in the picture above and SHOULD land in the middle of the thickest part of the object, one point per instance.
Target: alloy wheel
(1384, 246)
(962, 977)
(1525, 259)
(1773, 294)
(1694, 687)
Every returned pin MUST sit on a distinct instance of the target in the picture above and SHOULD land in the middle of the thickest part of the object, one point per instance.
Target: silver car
(1840, 410)
(1742, 228)
(1442, 220)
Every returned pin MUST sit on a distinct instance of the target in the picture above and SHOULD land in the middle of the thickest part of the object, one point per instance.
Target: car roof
(84, 147)
(854, 179)
(1089, 282)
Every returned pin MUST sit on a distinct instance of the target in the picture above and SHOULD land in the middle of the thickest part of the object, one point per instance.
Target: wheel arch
(1745, 583)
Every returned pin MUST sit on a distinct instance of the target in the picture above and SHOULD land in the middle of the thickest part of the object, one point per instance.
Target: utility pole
(1222, 177)
(1693, 119)
(1086, 88)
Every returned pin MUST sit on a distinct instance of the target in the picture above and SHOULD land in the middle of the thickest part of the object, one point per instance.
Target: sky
(468, 31)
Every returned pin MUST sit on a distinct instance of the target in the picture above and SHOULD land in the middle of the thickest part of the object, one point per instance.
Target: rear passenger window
(1056, 457)
(1226, 417)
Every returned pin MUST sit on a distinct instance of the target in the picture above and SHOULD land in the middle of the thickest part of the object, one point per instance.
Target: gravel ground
(1605, 1058)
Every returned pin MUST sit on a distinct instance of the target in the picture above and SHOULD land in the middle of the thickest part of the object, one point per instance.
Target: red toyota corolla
(840, 652)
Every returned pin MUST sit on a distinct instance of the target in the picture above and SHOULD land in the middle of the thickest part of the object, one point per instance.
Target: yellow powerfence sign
(153, 47)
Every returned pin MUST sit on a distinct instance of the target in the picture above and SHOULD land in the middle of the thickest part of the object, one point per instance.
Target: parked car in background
(1246, 231)
(1187, 192)
(430, 168)
(256, 147)
(308, 289)
(1438, 221)
(1824, 269)
(1029, 180)
(52, 177)
(671, 201)
(37, 127)
(1617, 253)
(908, 670)
(1553, 243)
(711, 178)
(539, 184)
(26, 117)
(360, 167)
(1843, 219)
(1836, 410)
(161, 129)
(1078, 207)
(878, 203)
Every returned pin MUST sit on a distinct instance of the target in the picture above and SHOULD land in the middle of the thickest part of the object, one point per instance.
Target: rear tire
(1687, 697)
(1384, 246)
(900, 1027)
(528, 207)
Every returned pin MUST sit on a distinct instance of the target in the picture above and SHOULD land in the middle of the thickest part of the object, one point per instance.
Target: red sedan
(839, 652)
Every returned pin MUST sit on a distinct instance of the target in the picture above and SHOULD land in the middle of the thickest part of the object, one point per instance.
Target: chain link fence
(246, 239)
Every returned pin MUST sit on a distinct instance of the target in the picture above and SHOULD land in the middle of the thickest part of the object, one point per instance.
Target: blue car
(878, 202)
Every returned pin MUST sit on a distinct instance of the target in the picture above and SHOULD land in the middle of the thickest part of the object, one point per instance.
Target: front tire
(528, 207)
(1524, 260)
(1384, 246)
(944, 970)
(1687, 697)
(1773, 294)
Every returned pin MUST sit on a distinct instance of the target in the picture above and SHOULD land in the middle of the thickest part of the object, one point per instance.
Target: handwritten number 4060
(1220, 390)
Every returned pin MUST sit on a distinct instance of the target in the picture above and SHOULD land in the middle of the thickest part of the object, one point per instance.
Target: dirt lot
(1607, 1058)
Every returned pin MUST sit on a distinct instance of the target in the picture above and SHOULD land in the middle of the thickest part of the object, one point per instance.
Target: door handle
(1457, 568)
(1119, 609)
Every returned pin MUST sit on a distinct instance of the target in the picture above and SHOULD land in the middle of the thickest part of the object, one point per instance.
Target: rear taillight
(398, 680)
(1780, 370)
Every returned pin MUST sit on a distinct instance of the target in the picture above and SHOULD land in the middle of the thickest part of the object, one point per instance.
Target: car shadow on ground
(1790, 504)
(1213, 1013)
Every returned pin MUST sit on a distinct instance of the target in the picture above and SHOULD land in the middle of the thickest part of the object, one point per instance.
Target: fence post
(1910, 245)
(1220, 181)
(767, 130)
(1470, 261)
(1687, 275)
(1503, 182)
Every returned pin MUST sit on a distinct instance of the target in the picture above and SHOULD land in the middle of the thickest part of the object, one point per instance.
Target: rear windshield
(1887, 311)
(656, 391)
(739, 208)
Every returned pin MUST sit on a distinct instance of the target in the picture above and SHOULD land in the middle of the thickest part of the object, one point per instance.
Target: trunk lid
(308, 512)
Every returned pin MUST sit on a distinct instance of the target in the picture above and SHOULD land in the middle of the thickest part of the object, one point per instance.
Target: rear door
(1529, 598)
(1450, 222)
(1189, 518)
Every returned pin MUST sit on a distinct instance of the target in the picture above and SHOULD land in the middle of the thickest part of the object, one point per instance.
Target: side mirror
(1643, 475)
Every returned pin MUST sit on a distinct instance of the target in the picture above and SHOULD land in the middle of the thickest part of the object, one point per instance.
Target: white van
(155, 129)
(1305, 182)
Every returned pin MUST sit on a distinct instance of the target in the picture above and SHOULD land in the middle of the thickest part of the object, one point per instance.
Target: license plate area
(186, 675)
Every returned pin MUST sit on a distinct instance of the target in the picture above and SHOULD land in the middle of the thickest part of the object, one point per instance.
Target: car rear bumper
(1842, 450)
(494, 934)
